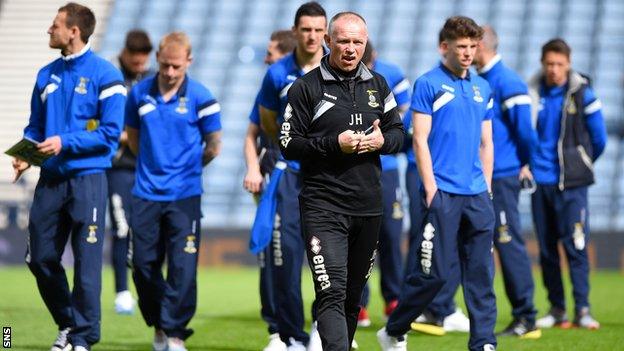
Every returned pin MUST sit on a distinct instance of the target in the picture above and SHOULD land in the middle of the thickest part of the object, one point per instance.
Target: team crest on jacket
(571, 107)
(82, 86)
(372, 102)
(477, 94)
(181, 109)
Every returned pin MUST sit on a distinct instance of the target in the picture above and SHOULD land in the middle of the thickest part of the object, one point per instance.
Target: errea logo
(314, 245)
(426, 248)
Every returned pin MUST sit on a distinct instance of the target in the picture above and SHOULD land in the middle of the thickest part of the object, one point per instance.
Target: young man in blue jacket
(571, 136)
(514, 139)
(76, 116)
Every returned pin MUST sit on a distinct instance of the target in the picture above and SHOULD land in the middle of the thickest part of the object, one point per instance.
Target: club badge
(477, 94)
(190, 244)
(82, 86)
(92, 238)
(372, 102)
(181, 109)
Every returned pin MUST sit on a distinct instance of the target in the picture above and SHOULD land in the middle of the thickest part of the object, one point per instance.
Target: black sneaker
(521, 328)
(62, 342)
(427, 323)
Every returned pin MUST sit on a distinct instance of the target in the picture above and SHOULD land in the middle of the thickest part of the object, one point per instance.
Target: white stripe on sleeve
(401, 87)
(209, 110)
(442, 100)
(115, 89)
(389, 102)
(593, 107)
(516, 100)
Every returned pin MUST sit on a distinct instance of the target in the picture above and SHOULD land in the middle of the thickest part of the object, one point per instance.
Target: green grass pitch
(228, 316)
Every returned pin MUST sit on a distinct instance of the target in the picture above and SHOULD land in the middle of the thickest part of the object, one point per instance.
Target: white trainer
(457, 322)
(160, 340)
(296, 345)
(80, 348)
(175, 344)
(390, 343)
(315, 343)
(354, 345)
(62, 343)
(124, 302)
(275, 343)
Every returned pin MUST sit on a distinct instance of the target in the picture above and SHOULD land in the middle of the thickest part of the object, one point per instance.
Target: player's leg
(575, 241)
(49, 228)
(88, 212)
(267, 298)
(435, 243)
(147, 258)
(390, 257)
(120, 183)
(181, 232)
(545, 219)
(288, 249)
(477, 263)
(327, 243)
(514, 259)
(363, 239)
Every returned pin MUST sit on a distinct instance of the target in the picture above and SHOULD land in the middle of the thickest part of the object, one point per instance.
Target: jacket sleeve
(111, 102)
(294, 142)
(595, 122)
(391, 124)
(516, 105)
(36, 123)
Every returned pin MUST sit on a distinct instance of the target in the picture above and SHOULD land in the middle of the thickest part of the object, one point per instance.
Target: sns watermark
(6, 337)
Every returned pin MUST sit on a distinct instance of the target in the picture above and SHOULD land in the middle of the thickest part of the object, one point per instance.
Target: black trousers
(341, 251)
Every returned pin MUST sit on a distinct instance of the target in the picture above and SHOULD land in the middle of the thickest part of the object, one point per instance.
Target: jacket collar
(330, 74)
(71, 57)
(575, 81)
(485, 69)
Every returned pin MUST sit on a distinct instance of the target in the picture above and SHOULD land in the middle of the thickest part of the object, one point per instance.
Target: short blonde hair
(176, 38)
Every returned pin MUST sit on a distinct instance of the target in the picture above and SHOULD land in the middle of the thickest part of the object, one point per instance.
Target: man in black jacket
(340, 117)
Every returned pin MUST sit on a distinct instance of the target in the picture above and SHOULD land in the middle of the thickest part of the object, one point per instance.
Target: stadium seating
(229, 39)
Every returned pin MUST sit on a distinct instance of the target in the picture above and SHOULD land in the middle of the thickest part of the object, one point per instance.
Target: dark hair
(285, 39)
(81, 17)
(367, 57)
(138, 42)
(457, 27)
(557, 45)
(312, 9)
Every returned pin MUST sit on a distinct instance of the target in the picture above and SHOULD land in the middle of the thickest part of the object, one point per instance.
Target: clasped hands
(351, 141)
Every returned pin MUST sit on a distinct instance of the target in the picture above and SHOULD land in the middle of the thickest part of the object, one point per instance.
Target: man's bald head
(490, 38)
(343, 18)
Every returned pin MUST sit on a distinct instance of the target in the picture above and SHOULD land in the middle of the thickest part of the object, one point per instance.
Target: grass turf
(228, 316)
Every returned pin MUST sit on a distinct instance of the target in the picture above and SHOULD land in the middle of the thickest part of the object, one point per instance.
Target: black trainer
(521, 328)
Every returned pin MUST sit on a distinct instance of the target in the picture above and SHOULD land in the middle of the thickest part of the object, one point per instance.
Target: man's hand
(349, 141)
(429, 194)
(19, 166)
(253, 181)
(51, 146)
(373, 141)
(525, 173)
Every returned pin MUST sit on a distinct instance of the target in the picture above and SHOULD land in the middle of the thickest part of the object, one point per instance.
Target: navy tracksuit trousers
(120, 183)
(563, 216)
(389, 250)
(75, 206)
(514, 259)
(287, 251)
(171, 230)
(454, 225)
(267, 293)
(443, 304)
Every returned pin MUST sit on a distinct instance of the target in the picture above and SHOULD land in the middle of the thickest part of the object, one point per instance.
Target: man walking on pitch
(76, 116)
(514, 140)
(132, 61)
(329, 115)
(173, 124)
(452, 112)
